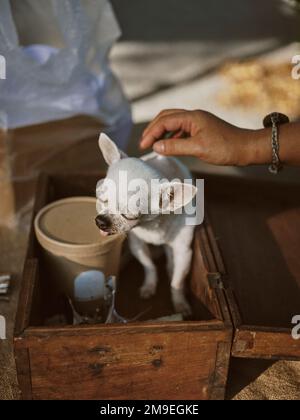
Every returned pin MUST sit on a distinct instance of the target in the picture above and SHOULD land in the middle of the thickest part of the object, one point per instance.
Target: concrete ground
(167, 57)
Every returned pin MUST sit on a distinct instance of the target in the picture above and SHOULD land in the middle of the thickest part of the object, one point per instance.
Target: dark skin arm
(217, 142)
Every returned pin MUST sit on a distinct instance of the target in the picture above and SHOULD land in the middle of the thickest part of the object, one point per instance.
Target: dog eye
(129, 217)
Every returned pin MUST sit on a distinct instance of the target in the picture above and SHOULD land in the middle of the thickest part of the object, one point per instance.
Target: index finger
(162, 113)
(173, 122)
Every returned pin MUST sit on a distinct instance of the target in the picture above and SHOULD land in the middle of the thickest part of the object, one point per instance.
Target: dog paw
(180, 303)
(183, 308)
(147, 290)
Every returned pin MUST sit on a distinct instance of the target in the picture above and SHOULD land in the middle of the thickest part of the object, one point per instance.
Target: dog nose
(102, 222)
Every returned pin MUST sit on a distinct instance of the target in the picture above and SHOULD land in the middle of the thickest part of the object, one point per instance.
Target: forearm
(218, 142)
(258, 142)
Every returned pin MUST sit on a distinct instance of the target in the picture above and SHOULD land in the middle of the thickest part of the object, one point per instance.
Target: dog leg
(181, 268)
(141, 252)
(170, 262)
(182, 257)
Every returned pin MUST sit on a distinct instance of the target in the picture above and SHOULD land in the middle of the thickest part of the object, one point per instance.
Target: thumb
(175, 147)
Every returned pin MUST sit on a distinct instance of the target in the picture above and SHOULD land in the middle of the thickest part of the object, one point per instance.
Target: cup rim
(69, 247)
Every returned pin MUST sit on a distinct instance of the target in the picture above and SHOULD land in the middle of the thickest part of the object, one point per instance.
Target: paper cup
(74, 252)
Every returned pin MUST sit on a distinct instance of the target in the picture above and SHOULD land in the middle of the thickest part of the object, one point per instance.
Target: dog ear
(109, 150)
(175, 195)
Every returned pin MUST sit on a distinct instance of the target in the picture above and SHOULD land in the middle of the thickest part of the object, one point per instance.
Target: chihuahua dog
(151, 216)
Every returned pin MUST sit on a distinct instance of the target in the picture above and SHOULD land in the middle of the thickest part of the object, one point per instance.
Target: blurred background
(71, 75)
(233, 60)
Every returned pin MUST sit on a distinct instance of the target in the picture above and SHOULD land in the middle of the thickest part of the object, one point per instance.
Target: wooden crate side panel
(161, 365)
(251, 342)
(203, 268)
(220, 267)
(257, 228)
(30, 273)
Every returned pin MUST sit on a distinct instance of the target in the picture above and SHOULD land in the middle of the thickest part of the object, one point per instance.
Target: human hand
(207, 137)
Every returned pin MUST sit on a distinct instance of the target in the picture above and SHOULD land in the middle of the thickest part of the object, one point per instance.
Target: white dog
(164, 225)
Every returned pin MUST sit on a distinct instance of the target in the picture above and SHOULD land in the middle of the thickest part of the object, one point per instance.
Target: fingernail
(159, 147)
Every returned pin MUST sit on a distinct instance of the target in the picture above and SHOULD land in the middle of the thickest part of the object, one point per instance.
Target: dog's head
(133, 193)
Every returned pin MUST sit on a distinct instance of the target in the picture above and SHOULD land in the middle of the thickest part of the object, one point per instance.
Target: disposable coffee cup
(76, 256)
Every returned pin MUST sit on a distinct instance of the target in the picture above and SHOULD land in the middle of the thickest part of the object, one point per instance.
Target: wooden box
(139, 360)
(244, 287)
(257, 249)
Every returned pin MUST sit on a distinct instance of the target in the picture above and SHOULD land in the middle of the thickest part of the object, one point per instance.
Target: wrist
(256, 147)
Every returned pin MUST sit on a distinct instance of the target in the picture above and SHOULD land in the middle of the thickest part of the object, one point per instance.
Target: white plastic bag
(64, 70)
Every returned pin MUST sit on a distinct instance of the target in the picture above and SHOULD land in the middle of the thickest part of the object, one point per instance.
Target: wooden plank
(156, 365)
(220, 375)
(262, 343)
(213, 300)
(220, 267)
(23, 371)
(202, 292)
(130, 328)
(25, 297)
